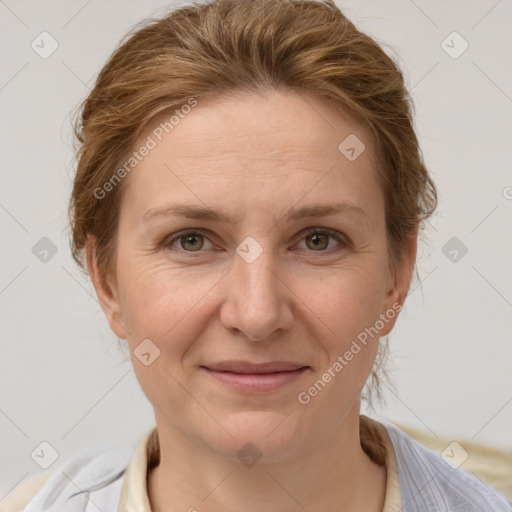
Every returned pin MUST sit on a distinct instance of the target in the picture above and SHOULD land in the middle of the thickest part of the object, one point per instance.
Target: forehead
(253, 125)
(250, 144)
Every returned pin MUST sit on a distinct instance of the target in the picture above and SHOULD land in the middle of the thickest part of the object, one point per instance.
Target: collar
(374, 440)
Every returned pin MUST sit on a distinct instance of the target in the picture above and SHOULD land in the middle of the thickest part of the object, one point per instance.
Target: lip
(254, 378)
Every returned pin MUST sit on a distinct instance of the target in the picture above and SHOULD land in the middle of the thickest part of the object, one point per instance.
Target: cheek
(346, 307)
(170, 308)
(163, 303)
(345, 303)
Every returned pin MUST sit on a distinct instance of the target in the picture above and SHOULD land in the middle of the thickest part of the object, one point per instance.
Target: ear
(106, 292)
(400, 281)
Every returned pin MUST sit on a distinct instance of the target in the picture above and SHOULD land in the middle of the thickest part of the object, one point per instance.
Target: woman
(247, 201)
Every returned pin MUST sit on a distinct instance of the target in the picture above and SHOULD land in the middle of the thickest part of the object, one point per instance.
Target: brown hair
(206, 50)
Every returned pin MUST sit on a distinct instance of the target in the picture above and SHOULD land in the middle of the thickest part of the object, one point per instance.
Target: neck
(335, 474)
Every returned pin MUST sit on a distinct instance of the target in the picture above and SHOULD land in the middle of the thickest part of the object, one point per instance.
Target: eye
(189, 241)
(317, 239)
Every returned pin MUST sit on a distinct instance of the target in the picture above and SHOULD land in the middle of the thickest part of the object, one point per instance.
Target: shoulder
(429, 482)
(20, 496)
(69, 483)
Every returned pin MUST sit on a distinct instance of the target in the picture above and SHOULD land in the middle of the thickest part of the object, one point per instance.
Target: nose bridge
(255, 270)
(257, 301)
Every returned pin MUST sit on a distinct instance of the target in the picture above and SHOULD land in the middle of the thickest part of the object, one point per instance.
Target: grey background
(63, 379)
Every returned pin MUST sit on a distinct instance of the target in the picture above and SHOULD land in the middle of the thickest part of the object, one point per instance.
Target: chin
(271, 434)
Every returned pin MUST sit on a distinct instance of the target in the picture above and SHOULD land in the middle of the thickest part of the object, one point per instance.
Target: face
(252, 253)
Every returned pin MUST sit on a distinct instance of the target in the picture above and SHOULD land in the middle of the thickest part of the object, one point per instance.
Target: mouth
(253, 378)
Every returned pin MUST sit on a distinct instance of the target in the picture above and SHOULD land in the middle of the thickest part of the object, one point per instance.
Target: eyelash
(171, 239)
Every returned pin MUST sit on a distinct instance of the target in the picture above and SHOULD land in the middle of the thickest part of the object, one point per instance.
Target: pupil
(191, 239)
(317, 239)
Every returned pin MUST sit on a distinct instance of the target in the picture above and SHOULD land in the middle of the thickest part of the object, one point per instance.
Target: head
(250, 187)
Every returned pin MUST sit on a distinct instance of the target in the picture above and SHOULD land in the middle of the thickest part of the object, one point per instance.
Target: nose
(258, 303)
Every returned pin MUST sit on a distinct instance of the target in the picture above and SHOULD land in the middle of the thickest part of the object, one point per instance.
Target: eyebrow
(294, 214)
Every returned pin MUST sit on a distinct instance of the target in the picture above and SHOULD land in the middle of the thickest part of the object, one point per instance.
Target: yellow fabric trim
(21, 495)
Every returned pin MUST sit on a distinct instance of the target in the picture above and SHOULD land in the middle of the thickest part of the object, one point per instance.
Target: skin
(262, 156)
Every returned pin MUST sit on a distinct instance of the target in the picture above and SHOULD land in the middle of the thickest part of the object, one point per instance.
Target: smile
(253, 378)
